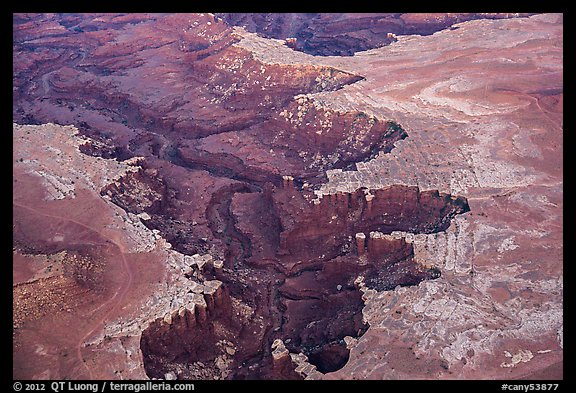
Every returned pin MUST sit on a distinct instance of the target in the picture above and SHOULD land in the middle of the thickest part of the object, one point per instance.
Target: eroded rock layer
(198, 219)
(343, 34)
(231, 149)
(293, 265)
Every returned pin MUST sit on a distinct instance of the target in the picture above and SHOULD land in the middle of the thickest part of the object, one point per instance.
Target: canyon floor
(200, 196)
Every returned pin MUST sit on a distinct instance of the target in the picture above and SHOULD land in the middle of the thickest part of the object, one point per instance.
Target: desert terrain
(286, 196)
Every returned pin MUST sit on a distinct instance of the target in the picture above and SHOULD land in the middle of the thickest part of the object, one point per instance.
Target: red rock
(235, 152)
(343, 34)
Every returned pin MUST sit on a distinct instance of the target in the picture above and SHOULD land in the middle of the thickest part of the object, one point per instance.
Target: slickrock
(223, 206)
(502, 264)
(342, 34)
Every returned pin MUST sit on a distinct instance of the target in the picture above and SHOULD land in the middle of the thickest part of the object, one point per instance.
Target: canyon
(343, 34)
(192, 200)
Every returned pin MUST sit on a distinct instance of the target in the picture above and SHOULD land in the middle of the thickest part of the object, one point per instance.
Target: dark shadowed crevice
(303, 290)
(330, 357)
(343, 34)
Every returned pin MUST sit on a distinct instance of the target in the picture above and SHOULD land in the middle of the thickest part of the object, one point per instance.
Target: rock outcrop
(343, 34)
(241, 210)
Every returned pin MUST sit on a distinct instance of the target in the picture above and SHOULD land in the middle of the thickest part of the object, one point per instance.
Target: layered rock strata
(274, 210)
(342, 34)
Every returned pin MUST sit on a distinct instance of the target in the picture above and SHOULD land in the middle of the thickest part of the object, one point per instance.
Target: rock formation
(343, 34)
(224, 207)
